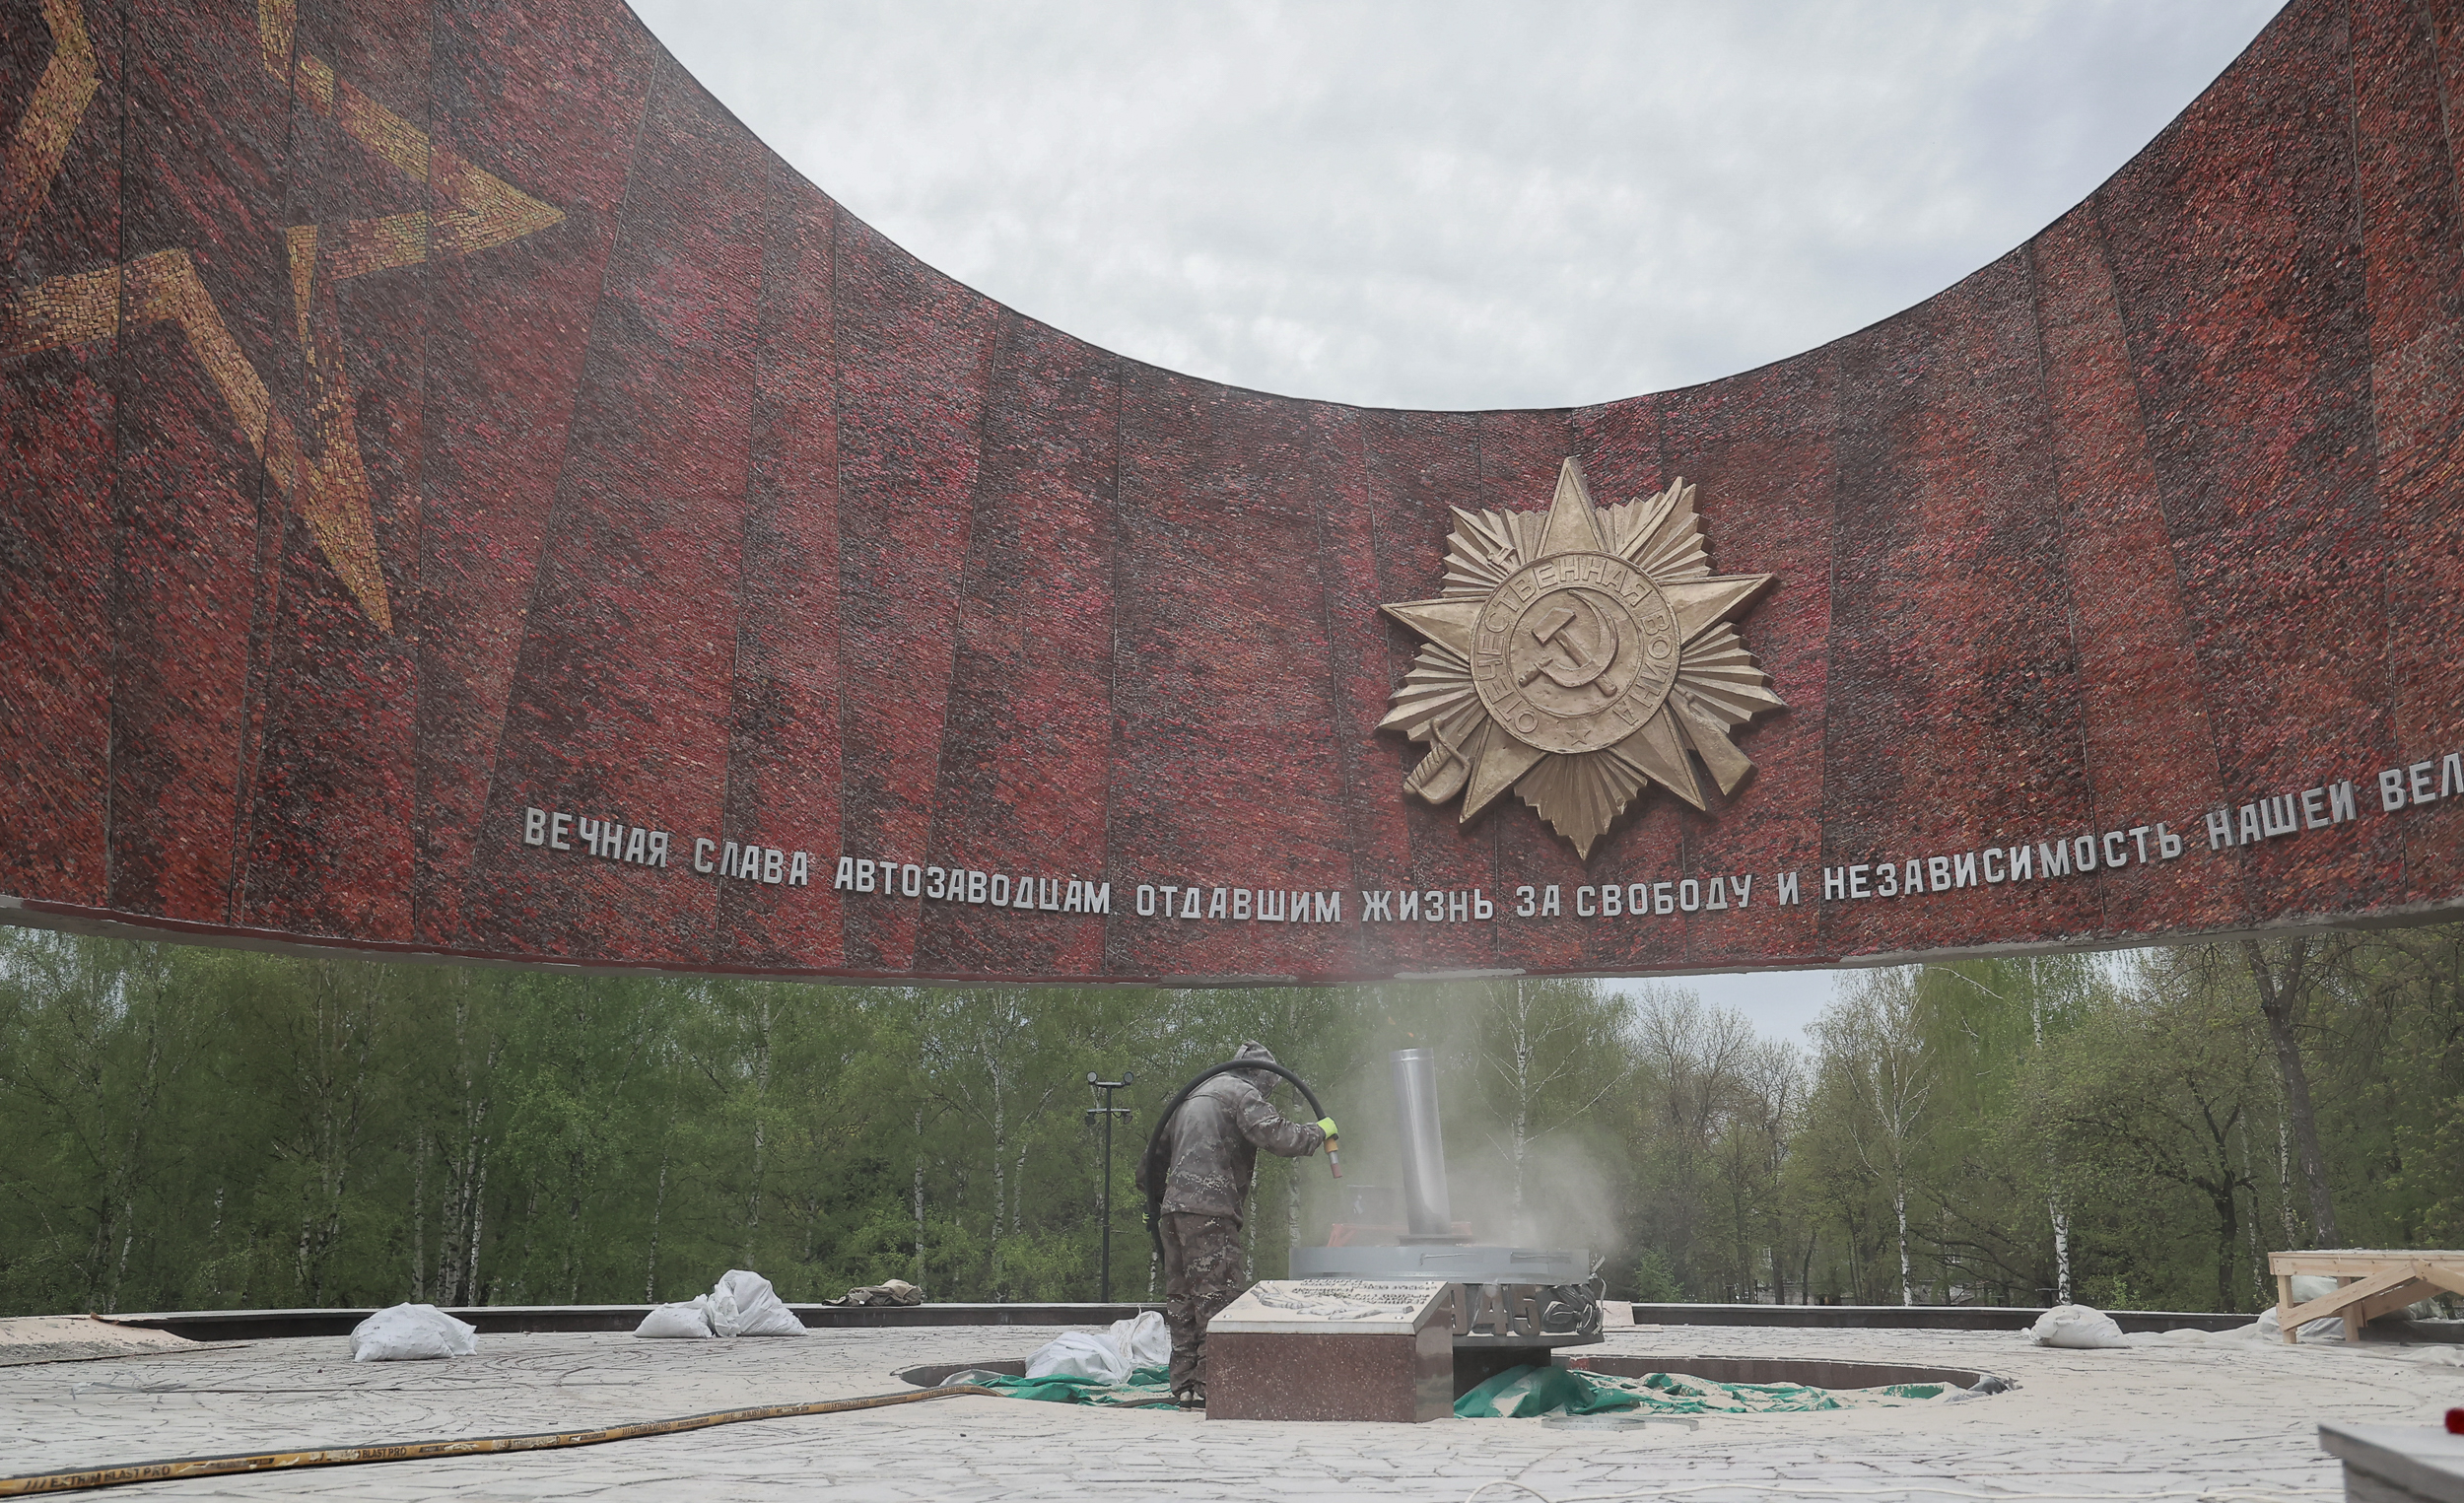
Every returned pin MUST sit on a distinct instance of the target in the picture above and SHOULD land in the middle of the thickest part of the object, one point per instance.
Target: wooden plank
(2449, 1277)
(2350, 1260)
(2351, 1294)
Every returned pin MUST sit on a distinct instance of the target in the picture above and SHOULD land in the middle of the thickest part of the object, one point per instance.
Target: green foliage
(1654, 1281)
(198, 1128)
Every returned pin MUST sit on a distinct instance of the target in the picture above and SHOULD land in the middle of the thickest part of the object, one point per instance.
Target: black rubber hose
(1152, 1171)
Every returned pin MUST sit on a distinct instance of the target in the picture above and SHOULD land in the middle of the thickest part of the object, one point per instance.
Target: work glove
(1326, 1125)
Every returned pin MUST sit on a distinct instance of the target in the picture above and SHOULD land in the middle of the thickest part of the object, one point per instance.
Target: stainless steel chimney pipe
(1427, 1209)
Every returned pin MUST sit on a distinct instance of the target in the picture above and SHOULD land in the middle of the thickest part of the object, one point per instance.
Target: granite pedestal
(2397, 1463)
(1349, 1349)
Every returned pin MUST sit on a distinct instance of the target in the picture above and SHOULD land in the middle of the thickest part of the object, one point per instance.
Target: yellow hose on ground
(429, 1450)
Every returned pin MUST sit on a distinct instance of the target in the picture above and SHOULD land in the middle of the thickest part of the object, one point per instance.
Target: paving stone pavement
(2224, 1420)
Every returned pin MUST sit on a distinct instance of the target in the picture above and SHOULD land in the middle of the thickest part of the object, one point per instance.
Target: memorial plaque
(1334, 1349)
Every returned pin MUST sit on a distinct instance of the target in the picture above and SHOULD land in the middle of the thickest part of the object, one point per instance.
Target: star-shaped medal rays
(1577, 656)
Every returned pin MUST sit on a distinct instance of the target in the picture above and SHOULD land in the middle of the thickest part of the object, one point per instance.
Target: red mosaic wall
(421, 414)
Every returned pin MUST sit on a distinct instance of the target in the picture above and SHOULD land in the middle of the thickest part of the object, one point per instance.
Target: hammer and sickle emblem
(1575, 665)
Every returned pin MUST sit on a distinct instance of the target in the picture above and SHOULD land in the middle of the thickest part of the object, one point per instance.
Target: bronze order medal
(1577, 656)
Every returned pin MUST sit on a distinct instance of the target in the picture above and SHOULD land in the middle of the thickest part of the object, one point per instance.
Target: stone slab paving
(2227, 1420)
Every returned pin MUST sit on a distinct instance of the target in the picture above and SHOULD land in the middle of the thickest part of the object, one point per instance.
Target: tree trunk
(761, 1131)
(1899, 1204)
(419, 1222)
(478, 1211)
(2258, 1262)
(1521, 1100)
(2280, 995)
(658, 1206)
(919, 1193)
(2227, 1233)
(1000, 1188)
(2060, 1250)
(2283, 1180)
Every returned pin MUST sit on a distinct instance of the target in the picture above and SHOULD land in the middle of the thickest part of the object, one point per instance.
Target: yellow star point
(469, 210)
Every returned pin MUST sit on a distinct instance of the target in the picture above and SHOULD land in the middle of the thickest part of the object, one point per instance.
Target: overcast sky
(1448, 205)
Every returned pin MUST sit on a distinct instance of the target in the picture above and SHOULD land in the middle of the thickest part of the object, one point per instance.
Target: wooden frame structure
(2372, 1281)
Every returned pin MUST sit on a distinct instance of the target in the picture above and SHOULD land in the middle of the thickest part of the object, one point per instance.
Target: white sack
(757, 1309)
(411, 1334)
(688, 1321)
(1077, 1354)
(1141, 1341)
(2077, 1326)
(721, 1307)
(1146, 1342)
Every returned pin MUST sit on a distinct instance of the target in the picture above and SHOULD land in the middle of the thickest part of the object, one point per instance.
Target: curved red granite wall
(419, 415)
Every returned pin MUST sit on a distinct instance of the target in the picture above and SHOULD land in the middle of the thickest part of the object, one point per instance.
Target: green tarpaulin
(1147, 1384)
(1520, 1392)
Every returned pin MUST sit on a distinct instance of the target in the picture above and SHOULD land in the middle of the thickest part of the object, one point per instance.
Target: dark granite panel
(2235, 253)
(59, 218)
(2150, 748)
(1361, 675)
(1948, 556)
(1027, 744)
(1222, 682)
(913, 353)
(507, 331)
(2410, 222)
(783, 750)
(620, 706)
(201, 193)
(1418, 466)
(327, 855)
(1758, 449)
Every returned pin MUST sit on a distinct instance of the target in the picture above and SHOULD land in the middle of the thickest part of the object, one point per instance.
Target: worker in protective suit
(1210, 1153)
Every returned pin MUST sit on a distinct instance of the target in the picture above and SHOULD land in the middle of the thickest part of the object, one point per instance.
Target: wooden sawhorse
(2373, 1282)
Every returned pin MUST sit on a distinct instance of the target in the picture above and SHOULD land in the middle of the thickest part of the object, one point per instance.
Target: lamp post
(1108, 1112)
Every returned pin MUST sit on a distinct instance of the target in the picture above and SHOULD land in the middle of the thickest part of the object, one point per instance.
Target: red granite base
(1269, 1374)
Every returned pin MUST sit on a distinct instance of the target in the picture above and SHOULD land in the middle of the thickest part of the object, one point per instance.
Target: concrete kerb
(268, 1324)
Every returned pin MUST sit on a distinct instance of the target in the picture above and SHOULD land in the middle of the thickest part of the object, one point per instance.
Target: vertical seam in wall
(990, 365)
(764, 354)
(1112, 634)
(2094, 221)
(2391, 729)
(264, 583)
(114, 581)
(1825, 946)
(417, 495)
(1377, 628)
(2063, 520)
(1335, 717)
(559, 507)
(838, 626)
(837, 551)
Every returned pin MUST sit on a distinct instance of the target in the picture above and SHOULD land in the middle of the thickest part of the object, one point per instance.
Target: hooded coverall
(1211, 1150)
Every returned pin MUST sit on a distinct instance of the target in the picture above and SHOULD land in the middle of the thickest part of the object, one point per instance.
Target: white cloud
(1458, 205)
